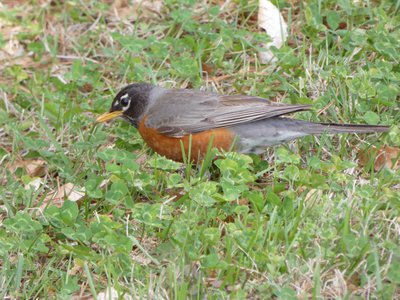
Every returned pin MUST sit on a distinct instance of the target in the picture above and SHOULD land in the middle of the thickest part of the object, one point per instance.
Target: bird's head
(130, 103)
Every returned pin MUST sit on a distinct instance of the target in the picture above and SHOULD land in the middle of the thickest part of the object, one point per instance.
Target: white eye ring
(125, 102)
(124, 108)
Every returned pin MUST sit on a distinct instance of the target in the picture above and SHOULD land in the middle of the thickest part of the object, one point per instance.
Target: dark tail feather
(352, 128)
(255, 136)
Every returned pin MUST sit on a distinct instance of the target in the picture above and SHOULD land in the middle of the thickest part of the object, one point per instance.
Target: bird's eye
(124, 102)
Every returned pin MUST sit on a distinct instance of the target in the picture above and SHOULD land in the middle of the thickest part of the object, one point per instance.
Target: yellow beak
(109, 116)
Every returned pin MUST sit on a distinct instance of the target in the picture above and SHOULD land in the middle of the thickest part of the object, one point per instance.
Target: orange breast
(170, 147)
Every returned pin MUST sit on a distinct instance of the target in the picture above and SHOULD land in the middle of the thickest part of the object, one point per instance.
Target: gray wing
(180, 112)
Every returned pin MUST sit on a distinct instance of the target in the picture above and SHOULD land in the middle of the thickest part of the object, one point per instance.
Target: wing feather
(180, 112)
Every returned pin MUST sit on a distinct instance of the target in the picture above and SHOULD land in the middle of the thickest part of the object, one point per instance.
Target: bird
(169, 118)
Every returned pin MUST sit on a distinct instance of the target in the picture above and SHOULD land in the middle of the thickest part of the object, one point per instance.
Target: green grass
(307, 220)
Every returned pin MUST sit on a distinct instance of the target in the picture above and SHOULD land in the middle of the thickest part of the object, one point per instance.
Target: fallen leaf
(122, 9)
(243, 201)
(271, 20)
(32, 167)
(86, 88)
(68, 191)
(35, 167)
(104, 183)
(313, 195)
(110, 294)
(76, 268)
(141, 259)
(213, 282)
(207, 68)
(13, 3)
(35, 183)
(12, 49)
(385, 156)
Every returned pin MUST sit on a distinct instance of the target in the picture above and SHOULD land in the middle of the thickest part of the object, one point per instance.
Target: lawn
(88, 210)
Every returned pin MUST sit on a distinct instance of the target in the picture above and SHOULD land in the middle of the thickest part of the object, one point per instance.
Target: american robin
(166, 118)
